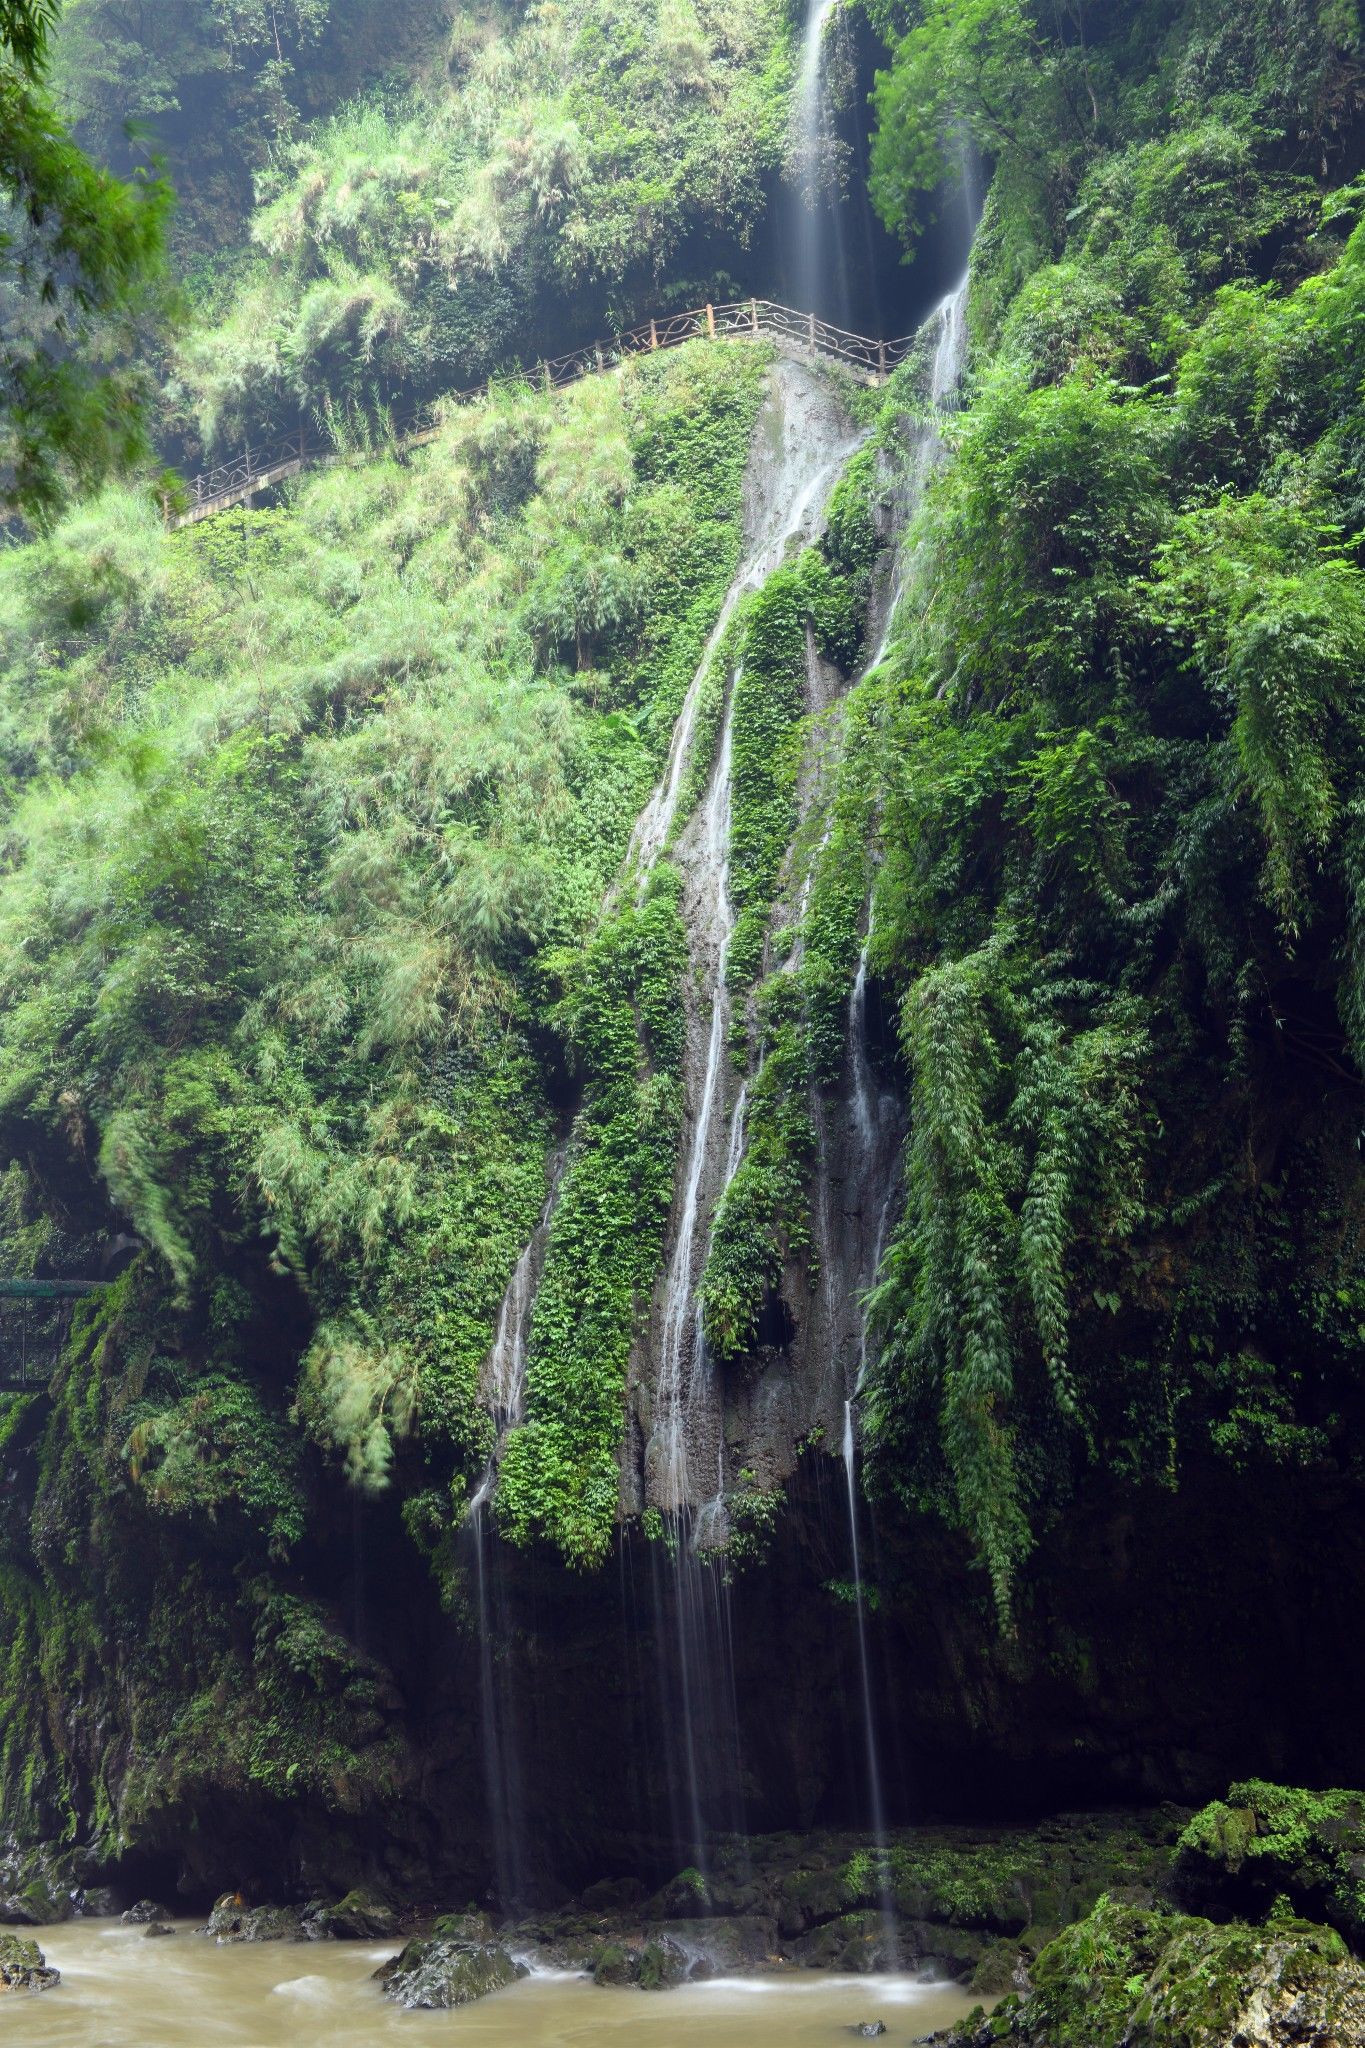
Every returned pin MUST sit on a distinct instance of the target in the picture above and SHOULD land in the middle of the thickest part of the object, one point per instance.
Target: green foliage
(1119, 775)
(1269, 1843)
(215, 1446)
(81, 257)
(220, 84)
(622, 1015)
(311, 821)
(415, 241)
(762, 1217)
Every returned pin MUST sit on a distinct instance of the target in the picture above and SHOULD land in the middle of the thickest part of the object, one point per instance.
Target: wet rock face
(23, 1966)
(35, 1888)
(976, 1904)
(440, 1973)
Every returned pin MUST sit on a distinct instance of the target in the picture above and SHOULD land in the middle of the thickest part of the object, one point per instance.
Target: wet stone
(144, 1913)
(438, 1974)
(232, 1920)
(23, 1966)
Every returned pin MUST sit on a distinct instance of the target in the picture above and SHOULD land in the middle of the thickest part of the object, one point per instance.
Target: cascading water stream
(700, 1706)
(786, 512)
(819, 269)
(814, 451)
(871, 1106)
(504, 1377)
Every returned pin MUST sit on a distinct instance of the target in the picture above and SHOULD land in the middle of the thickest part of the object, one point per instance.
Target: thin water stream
(119, 1990)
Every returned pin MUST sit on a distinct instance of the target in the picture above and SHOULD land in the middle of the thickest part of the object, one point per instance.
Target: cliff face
(514, 943)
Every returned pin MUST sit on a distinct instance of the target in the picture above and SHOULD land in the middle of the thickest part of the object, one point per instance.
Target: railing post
(545, 368)
(881, 360)
(711, 322)
(653, 334)
(597, 351)
(753, 315)
(812, 331)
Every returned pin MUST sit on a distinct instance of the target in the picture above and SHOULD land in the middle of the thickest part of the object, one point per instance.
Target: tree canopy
(81, 265)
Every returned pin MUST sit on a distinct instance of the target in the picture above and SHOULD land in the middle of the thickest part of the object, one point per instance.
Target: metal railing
(794, 333)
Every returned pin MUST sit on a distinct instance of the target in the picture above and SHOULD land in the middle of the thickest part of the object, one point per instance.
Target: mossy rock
(469, 1926)
(662, 1963)
(360, 1916)
(36, 1888)
(436, 1975)
(24, 1967)
(1126, 1977)
(231, 1921)
(145, 1912)
(996, 1968)
(1277, 1841)
(613, 1963)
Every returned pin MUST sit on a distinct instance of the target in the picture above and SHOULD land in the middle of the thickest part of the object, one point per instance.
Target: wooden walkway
(795, 334)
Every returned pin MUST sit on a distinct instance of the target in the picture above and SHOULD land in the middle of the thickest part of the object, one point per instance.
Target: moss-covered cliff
(550, 842)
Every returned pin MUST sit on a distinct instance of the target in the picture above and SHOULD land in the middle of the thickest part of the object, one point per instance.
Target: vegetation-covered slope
(1121, 898)
(309, 951)
(577, 163)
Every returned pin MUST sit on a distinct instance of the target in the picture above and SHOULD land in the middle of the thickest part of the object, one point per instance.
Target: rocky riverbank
(1245, 1921)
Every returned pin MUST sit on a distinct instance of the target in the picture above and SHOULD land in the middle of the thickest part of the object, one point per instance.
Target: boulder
(1127, 1974)
(36, 1888)
(145, 1912)
(23, 1966)
(855, 1941)
(360, 1916)
(662, 1964)
(233, 1920)
(723, 1947)
(157, 1928)
(471, 1927)
(437, 1973)
(616, 1964)
(100, 1902)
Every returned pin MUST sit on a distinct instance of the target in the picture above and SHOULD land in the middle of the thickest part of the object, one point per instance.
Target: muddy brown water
(120, 1990)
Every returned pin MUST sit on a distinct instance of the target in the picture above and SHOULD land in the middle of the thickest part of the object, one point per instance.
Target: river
(120, 1990)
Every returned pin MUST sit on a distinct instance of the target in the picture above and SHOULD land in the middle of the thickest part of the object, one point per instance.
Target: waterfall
(819, 271)
(876, 1804)
(808, 441)
(872, 1107)
(503, 1384)
(814, 445)
(498, 1712)
(702, 1634)
(682, 1315)
(787, 491)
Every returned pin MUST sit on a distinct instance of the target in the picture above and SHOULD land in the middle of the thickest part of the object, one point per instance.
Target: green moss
(1125, 1975)
(1270, 1842)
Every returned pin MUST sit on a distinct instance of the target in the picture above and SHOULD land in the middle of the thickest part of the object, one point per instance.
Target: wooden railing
(35, 1317)
(797, 334)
